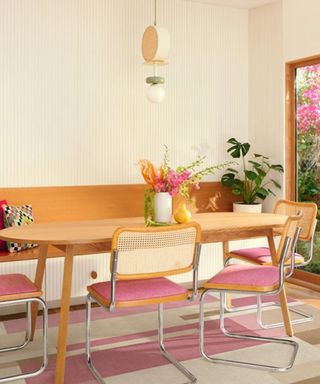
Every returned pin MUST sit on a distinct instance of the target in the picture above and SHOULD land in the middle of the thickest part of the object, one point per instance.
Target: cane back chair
(141, 258)
(262, 256)
(253, 279)
(18, 289)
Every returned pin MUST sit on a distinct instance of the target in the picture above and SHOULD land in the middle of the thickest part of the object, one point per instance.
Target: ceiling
(246, 4)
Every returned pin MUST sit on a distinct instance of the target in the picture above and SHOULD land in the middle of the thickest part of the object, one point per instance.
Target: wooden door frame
(290, 141)
(300, 277)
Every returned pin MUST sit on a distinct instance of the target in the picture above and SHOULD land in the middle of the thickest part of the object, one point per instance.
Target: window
(303, 140)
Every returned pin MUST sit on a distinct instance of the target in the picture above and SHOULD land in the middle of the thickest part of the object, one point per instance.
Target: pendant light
(155, 48)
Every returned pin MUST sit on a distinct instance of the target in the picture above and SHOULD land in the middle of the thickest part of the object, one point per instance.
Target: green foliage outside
(303, 249)
(308, 148)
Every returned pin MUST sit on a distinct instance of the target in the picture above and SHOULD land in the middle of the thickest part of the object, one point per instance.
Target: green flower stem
(148, 205)
(152, 223)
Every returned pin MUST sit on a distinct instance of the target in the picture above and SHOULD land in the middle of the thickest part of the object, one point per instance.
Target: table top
(215, 227)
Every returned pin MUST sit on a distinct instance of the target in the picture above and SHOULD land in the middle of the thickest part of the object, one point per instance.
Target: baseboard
(305, 279)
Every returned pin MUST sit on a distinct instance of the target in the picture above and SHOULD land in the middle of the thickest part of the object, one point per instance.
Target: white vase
(247, 208)
(162, 207)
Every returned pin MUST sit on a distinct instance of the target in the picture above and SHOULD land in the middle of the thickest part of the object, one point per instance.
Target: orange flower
(148, 172)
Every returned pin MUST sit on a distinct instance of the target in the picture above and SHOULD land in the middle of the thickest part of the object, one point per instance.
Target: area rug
(125, 347)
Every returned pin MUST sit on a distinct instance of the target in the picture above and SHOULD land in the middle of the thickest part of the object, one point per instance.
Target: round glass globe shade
(155, 93)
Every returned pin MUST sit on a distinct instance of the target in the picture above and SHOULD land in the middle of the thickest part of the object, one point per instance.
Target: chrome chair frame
(305, 317)
(191, 378)
(223, 292)
(163, 350)
(44, 364)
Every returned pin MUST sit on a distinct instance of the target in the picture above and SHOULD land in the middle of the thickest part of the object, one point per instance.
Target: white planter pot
(162, 207)
(248, 208)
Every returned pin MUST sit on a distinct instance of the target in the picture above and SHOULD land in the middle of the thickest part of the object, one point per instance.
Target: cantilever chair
(252, 279)
(18, 289)
(141, 258)
(261, 255)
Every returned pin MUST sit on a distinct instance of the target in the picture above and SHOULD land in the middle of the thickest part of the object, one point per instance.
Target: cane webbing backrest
(155, 251)
(309, 213)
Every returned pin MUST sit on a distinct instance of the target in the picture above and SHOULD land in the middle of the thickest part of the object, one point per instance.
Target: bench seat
(29, 254)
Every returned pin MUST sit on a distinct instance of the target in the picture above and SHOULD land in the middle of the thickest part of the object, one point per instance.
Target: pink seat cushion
(245, 275)
(261, 255)
(15, 284)
(134, 290)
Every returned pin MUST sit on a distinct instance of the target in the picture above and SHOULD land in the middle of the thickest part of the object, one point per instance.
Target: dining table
(95, 236)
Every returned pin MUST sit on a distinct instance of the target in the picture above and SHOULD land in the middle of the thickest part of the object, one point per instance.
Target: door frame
(301, 277)
(290, 141)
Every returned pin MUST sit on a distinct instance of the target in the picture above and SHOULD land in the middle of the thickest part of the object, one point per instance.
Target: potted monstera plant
(254, 182)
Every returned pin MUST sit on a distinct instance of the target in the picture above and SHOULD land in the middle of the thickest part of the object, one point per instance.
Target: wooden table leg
(64, 316)
(272, 248)
(225, 250)
(285, 311)
(38, 280)
(282, 295)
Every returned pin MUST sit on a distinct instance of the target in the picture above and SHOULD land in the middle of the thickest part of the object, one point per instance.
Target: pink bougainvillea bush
(308, 99)
(308, 131)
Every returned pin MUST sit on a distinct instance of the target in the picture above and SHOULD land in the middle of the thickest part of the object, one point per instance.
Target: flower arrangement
(172, 180)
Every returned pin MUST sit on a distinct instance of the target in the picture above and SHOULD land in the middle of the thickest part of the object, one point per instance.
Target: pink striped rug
(125, 344)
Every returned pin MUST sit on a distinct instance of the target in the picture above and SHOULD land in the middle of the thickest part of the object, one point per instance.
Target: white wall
(73, 109)
(279, 32)
(72, 97)
(301, 28)
(266, 86)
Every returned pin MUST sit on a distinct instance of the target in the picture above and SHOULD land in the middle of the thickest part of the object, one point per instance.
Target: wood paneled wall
(106, 201)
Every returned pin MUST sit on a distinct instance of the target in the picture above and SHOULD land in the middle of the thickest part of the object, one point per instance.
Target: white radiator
(82, 268)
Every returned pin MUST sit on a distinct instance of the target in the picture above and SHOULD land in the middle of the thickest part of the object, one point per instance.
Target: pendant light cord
(155, 12)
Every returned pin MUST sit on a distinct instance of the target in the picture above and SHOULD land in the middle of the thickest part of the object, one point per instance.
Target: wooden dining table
(90, 237)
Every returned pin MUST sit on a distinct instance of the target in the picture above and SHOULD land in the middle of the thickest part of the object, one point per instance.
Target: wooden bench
(54, 204)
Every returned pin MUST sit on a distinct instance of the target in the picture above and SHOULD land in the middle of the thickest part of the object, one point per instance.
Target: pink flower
(308, 116)
(308, 99)
(160, 185)
(311, 68)
(312, 94)
(175, 180)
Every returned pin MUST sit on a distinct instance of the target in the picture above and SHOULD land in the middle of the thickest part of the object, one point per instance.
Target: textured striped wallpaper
(72, 88)
(73, 109)
(266, 86)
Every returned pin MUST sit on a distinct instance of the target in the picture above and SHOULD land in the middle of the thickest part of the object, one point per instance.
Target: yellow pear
(182, 214)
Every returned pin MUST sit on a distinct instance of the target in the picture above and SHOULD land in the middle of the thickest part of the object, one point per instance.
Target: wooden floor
(306, 295)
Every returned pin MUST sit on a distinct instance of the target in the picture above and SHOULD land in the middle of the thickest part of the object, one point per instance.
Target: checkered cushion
(3, 245)
(17, 216)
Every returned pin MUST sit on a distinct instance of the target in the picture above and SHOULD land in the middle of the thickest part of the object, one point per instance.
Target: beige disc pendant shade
(155, 45)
